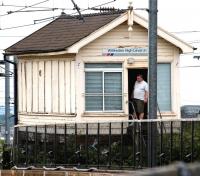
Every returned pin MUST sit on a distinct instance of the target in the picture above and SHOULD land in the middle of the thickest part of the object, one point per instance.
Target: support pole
(7, 102)
(152, 79)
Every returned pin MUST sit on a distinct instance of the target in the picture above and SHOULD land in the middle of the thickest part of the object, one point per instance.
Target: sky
(181, 17)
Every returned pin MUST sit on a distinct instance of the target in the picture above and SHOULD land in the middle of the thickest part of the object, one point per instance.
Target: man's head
(139, 77)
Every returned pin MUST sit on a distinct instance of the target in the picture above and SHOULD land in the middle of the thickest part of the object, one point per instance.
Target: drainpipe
(7, 62)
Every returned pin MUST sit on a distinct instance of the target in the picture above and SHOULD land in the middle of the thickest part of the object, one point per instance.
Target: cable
(24, 8)
(26, 25)
(36, 7)
(48, 18)
(195, 41)
(7, 70)
(39, 10)
(182, 32)
(189, 66)
(11, 36)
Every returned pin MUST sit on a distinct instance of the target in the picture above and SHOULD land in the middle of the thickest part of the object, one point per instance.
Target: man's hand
(145, 100)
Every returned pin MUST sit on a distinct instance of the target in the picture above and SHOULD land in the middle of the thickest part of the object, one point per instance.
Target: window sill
(104, 114)
(46, 114)
(166, 114)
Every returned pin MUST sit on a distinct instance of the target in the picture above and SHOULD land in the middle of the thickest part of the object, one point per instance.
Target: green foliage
(126, 151)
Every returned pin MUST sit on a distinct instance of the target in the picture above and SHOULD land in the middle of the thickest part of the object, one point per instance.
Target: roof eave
(184, 47)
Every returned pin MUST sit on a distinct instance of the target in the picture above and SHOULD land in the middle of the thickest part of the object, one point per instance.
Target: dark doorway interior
(132, 74)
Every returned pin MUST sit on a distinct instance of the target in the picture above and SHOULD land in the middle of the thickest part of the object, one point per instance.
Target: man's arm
(146, 94)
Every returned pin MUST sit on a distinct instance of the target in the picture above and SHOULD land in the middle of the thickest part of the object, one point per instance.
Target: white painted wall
(46, 87)
(120, 37)
(51, 88)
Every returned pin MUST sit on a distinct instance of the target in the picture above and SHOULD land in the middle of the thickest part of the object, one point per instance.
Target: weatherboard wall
(119, 37)
(45, 86)
(52, 88)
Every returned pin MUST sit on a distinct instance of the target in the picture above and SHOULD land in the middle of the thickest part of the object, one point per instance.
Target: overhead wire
(7, 70)
(51, 18)
(39, 7)
(183, 32)
(24, 8)
(26, 25)
(91, 8)
(11, 36)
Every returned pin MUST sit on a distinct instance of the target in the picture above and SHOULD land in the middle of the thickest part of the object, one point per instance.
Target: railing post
(109, 154)
(171, 140)
(122, 142)
(181, 141)
(26, 146)
(35, 157)
(192, 141)
(16, 139)
(86, 141)
(76, 149)
(55, 144)
(65, 145)
(98, 146)
(161, 142)
(134, 146)
(45, 145)
(141, 143)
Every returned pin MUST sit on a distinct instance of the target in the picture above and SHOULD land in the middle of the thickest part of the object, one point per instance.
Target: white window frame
(106, 70)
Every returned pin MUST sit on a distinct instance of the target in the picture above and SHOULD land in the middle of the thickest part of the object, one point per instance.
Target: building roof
(61, 33)
(69, 34)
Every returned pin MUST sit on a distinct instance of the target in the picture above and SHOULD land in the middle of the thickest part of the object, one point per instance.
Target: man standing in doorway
(140, 95)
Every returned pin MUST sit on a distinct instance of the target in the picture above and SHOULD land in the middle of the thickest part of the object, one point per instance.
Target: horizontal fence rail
(109, 145)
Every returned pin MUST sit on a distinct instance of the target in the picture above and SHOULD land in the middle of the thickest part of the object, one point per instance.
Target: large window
(164, 86)
(103, 87)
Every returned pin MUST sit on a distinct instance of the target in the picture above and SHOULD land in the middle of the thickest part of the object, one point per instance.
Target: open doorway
(132, 74)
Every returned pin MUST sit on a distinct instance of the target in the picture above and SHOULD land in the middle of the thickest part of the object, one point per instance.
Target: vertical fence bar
(192, 141)
(77, 159)
(109, 154)
(26, 146)
(122, 142)
(98, 146)
(65, 144)
(55, 144)
(150, 150)
(141, 143)
(133, 137)
(171, 140)
(45, 144)
(86, 143)
(17, 146)
(161, 142)
(35, 155)
(181, 141)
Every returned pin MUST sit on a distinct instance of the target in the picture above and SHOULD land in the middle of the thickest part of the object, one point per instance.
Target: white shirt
(139, 89)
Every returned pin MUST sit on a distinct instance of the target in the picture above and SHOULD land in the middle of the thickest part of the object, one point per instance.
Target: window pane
(103, 65)
(164, 87)
(113, 103)
(93, 103)
(113, 83)
(93, 82)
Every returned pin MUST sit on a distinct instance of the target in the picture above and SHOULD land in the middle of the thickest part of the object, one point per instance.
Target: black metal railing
(110, 145)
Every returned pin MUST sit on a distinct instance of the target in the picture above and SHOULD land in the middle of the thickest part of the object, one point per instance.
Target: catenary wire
(50, 18)
(25, 8)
